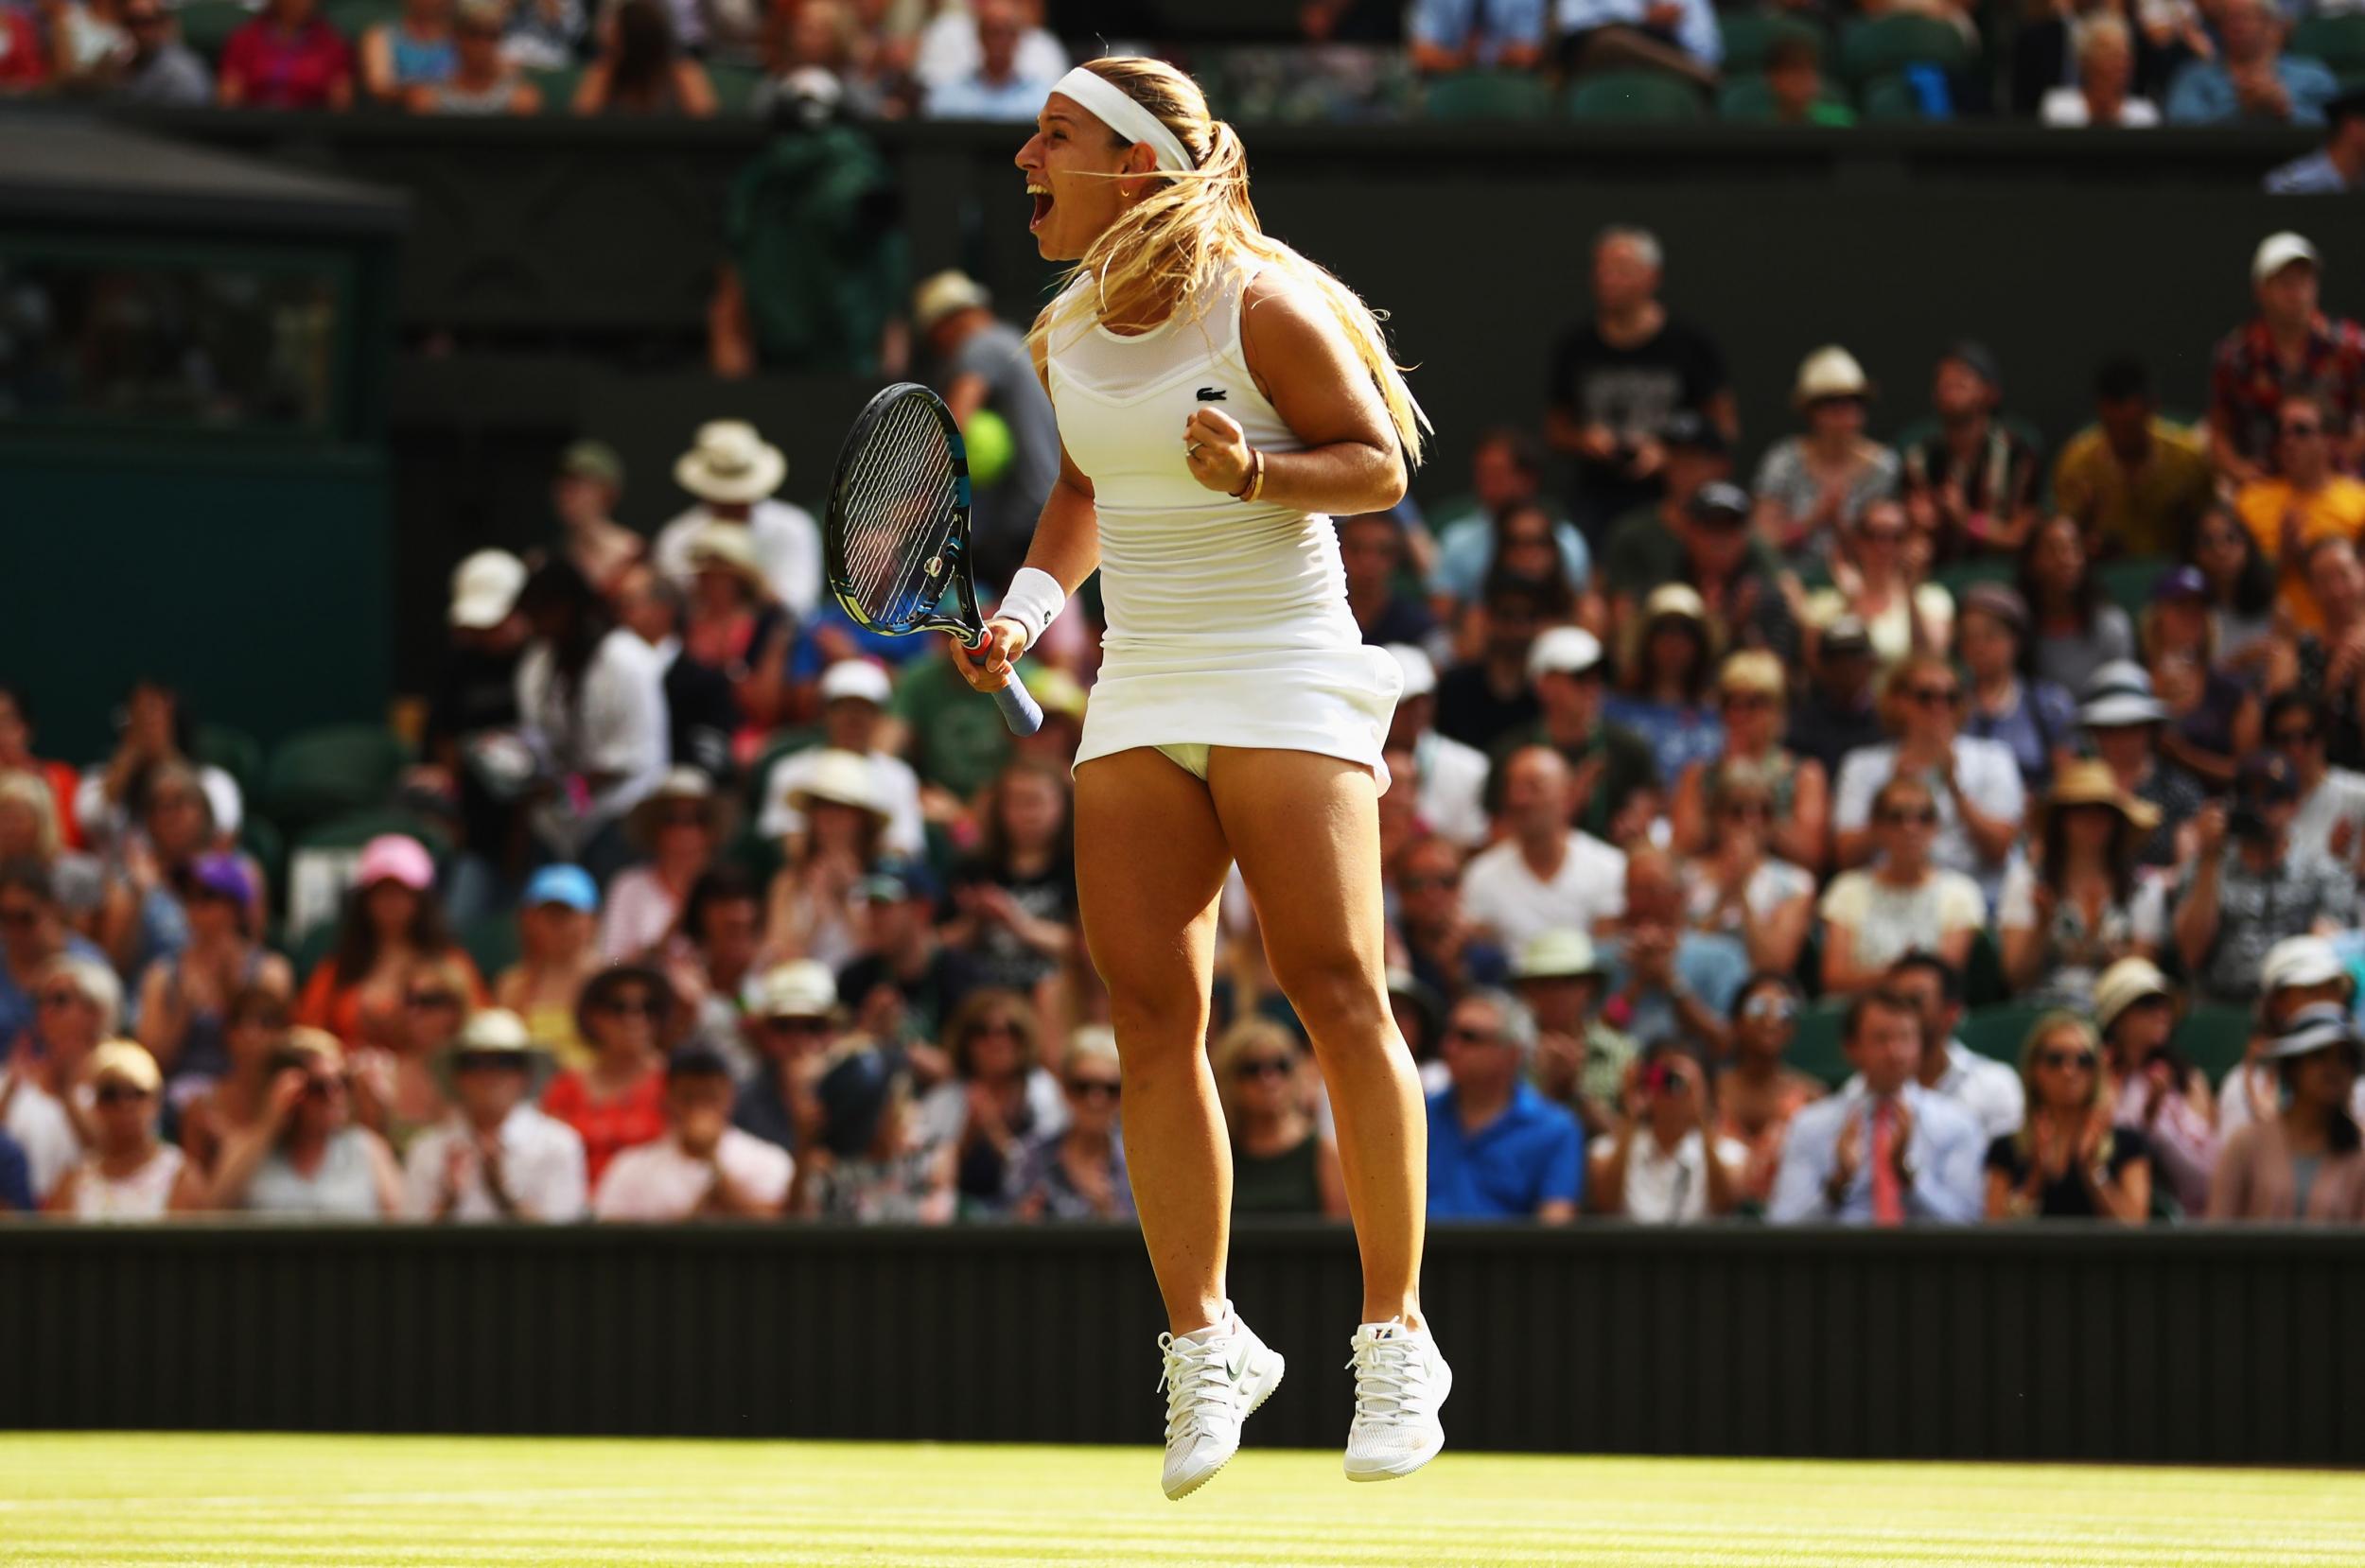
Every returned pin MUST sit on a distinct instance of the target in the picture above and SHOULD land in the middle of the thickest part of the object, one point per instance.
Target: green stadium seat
(234, 751)
(2000, 1031)
(260, 837)
(1961, 576)
(1890, 100)
(1983, 971)
(1487, 95)
(355, 17)
(1819, 1049)
(2338, 41)
(492, 944)
(2213, 1039)
(326, 772)
(1750, 36)
(1646, 97)
(2127, 583)
(206, 25)
(734, 87)
(305, 956)
(1880, 48)
(557, 88)
(782, 743)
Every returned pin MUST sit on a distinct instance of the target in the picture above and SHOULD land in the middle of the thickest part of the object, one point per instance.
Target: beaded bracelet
(1255, 483)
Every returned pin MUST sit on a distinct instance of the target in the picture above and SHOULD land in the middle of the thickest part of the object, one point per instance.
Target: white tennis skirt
(1334, 701)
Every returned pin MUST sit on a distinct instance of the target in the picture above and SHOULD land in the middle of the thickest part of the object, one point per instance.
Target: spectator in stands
(2290, 348)
(1497, 1148)
(1736, 887)
(2076, 630)
(29, 830)
(396, 1092)
(715, 959)
(735, 627)
(1079, 1171)
(2331, 817)
(1619, 378)
(184, 998)
(77, 1004)
(392, 924)
(144, 916)
(1371, 546)
(584, 496)
(814, 909)
(867, 1164)
(2332, 662)
(591, 704)
(85, 42)
(701, 710)
(793, 1019)
(1666, 665)
(1905, 900)
(1660, 1166)
(496, 1156)
(1490, 696)
(1645, 546)
(558, 952)
(543, 35)
(1445, 36)
(483, 80)
(158, 70)
(641, 68)
(306, 1157)
(809, 52)
(699, 1166)
(1668, 980)
(2252, 79)
(2303, 1163)
(2306, 500)
(1971, 484)
(1974, 784)
(2068, 1162)
(1811, 486)
(1543, 875)
(2035, 719)
(252, 1024)
(1890, 1152)
(1014, 901)
(1989, 1089)
(1614, 776)
(2336, 167)
(1506, 468)
(999, 87)
(2136, 484)
(2158, 1093)
(468, 753)
(2122, 720)
(1700, 539)
(412, 49)
(1750, 688)
(127, 1173)
(2240, 584)
(987, 374)
(618, 1100)
(2300, 972)
(1679, 37)
(1756, 1093)
(1443, 946)
(157, 729)
(1795, 87)
(1839, 711)
(2240, 898)
(23, 61)
(999, 1099)
(2104, 93)
(1877, 580)
(734, 473)
(287, 58)
(907, 983)
(2080, 908)
(854, 697)
(17, 757)
(1449, 779)
(1281, 1162)
(678, 827)
(33, 935)
(2212, 713)
(1580, 1061)
(952, 45)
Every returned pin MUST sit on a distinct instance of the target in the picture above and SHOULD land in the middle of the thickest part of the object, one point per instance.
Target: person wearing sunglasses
(1812, 486)
(698, 1166)
(2247, 887)
(1752, 699)
(1667, 659)
(617, 1101)
(1497, 1149)
(391, 923)
(2305, 499)
(557, 954)
(1443, 946)
(2331, 818)
(305, 1156)
(1281, 1162)
(1079, 1173)
(1878, 579)
(398, 1091)
(2213, 714)
(185, 997)
(2299, 971)
(2305, 1162)
(999, 1099)
(2157, 1091)
(676, 829)
(1971, 484)
(32, 939)
(1580, 1060)
(793, 1022)
(2075, 629)
(2078, 907)
(128, 1174)
(496, 1157)
(1756, 1093)
(1664, 1166)
(1973, 785)
(1904, 901)
(1738, 887)
(2067, 1160)
(252, 1021)
(2036, 719)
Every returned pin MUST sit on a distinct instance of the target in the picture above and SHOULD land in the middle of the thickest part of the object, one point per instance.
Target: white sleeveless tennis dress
(1227, 621)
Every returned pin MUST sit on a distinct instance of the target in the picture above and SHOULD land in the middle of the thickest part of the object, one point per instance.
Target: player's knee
(1337, 996)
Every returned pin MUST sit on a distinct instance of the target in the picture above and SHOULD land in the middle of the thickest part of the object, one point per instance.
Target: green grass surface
(152, 1499)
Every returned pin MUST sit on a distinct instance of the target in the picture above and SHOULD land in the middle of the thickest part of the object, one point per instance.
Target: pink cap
(393, 858)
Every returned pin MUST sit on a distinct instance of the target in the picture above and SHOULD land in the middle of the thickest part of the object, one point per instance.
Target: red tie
(1888, 1199)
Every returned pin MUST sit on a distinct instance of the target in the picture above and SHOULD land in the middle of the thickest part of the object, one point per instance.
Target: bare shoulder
(1279, 304)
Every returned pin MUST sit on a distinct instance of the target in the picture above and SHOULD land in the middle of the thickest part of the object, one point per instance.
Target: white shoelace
(1391, 1381)
(1197, 1384)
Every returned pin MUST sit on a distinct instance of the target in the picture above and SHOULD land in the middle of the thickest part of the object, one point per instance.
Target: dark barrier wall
(2059, 1343)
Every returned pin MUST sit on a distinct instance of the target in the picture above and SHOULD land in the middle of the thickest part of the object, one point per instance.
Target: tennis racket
(897, 535)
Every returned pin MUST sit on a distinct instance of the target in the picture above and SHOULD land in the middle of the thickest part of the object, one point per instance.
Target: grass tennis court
(156, 1500)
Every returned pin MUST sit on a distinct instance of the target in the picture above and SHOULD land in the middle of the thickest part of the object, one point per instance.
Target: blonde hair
(30, 792)
(1177, 237)
(1249, 1034)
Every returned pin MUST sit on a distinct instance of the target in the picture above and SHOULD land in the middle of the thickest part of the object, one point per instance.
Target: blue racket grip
(1019, 708)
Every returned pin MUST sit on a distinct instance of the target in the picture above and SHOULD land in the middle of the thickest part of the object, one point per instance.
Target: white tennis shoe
(1400, 1380)
(1213, 1383)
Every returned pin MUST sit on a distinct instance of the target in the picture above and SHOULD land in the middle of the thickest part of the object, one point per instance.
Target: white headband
(1112, 108)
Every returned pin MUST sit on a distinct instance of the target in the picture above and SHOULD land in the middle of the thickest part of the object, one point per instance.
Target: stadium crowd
(2068, 63)
(1922, 828)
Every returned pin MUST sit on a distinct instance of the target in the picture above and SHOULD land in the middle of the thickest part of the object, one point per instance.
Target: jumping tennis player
(1219, 396)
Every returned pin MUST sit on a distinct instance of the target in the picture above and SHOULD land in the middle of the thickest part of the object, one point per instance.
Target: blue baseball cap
(898, 877)
(570, 885)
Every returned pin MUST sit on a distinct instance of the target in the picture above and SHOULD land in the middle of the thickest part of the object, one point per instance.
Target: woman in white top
(2106, 78)
(127, 1175)
(591, 703)
(1903, 903)
(1218, 394)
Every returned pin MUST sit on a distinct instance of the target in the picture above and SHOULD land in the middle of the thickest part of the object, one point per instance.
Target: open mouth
(1043, 205)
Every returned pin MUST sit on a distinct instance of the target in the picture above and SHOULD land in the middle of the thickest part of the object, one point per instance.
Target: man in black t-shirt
(905, 988)
(1618, 379)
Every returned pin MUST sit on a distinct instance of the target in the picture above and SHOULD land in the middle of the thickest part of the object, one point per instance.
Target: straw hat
(2319, 1027)
(496, 1032)
(718, 546)
(2125, 984)
(1562, 953)
(1669, 601)
(679, 783)
(128, 1060)
(2089, 781)
(939, 296)
(839, 778)
(730, 463)
(1828, 371)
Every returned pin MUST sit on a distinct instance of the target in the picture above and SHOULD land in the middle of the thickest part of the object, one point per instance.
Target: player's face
(1068, 163)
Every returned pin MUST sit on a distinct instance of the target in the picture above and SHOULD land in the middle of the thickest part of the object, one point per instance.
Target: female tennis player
(1218, 394)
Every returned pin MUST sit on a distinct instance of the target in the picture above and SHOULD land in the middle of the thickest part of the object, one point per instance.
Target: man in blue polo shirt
(1498, 1150)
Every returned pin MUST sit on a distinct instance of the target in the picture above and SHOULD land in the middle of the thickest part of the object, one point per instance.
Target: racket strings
(899, 514)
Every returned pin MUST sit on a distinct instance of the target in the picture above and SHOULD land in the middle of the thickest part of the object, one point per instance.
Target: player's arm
(1307, 370)
(1066, 548)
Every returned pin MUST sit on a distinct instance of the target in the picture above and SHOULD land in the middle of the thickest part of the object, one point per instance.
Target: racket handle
(1019, 708)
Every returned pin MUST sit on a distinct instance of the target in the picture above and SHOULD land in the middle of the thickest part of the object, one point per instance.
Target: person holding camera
(305, 1156)
(2158, 1093)
(1756, 1093)
(2249, 888)
(1662, 1168)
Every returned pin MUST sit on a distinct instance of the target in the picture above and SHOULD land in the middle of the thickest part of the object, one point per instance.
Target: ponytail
(1177, 237)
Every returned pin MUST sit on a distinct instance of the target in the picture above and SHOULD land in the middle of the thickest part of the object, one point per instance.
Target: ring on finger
(1190, 448)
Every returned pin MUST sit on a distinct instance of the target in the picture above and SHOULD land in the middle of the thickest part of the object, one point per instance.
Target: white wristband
(1034, 601)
